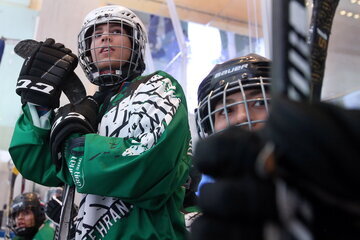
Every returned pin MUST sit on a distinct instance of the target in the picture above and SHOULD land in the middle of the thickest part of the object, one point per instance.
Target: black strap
(102, 97)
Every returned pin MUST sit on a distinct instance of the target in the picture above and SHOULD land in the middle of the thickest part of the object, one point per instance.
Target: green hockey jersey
(131, 172)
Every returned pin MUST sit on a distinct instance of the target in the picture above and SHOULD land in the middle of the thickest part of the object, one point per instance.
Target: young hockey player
(234, 93)
(126, 150)
(28, 218)
(295, 178)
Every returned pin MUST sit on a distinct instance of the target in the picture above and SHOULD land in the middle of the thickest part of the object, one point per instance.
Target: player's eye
(116, 30)
(228, 110)
(260, 103)
(97, 35)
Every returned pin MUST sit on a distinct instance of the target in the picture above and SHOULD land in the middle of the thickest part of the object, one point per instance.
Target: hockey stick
(75, 91)
(320, 28)
(66, 214)
(298, 69)
(291, 53)
(291, 79)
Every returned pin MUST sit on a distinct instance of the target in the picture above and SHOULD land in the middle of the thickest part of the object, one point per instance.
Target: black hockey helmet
(27, 201)
(236, 75)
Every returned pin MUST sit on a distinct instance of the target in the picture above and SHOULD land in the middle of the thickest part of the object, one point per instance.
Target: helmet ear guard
(236, 75)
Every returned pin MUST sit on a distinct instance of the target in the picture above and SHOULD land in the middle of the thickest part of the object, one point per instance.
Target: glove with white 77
(43, 73)
(72, 118)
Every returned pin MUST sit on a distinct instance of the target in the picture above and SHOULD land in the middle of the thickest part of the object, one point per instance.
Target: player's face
(236, 110)
(110, 46)
(25, 219)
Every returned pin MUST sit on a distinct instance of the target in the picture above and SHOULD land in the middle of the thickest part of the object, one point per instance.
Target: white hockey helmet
(135, 30)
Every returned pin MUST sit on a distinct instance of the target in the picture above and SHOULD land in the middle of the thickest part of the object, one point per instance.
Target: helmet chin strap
(110, 71)
(26, 232)
(108, 77)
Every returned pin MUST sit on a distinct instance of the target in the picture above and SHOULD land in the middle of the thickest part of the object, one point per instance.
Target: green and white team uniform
(131, 173)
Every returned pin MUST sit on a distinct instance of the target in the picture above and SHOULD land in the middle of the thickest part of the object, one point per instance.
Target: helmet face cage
(107, 71)
(205, 113)
(27, 201)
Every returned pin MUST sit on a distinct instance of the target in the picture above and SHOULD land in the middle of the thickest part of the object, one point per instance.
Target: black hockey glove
(69, 119)
(235, 208)
(53, 209)
(43, 73)
(317, 155)
(229, 153)
(239, 203)
(316, 146)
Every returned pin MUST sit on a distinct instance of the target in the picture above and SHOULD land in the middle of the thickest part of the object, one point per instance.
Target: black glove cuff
(38, 91)
(62, 129)
(72, 118)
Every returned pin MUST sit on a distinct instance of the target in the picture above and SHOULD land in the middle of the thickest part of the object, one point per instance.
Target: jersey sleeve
(145, 157)
(29, 147)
